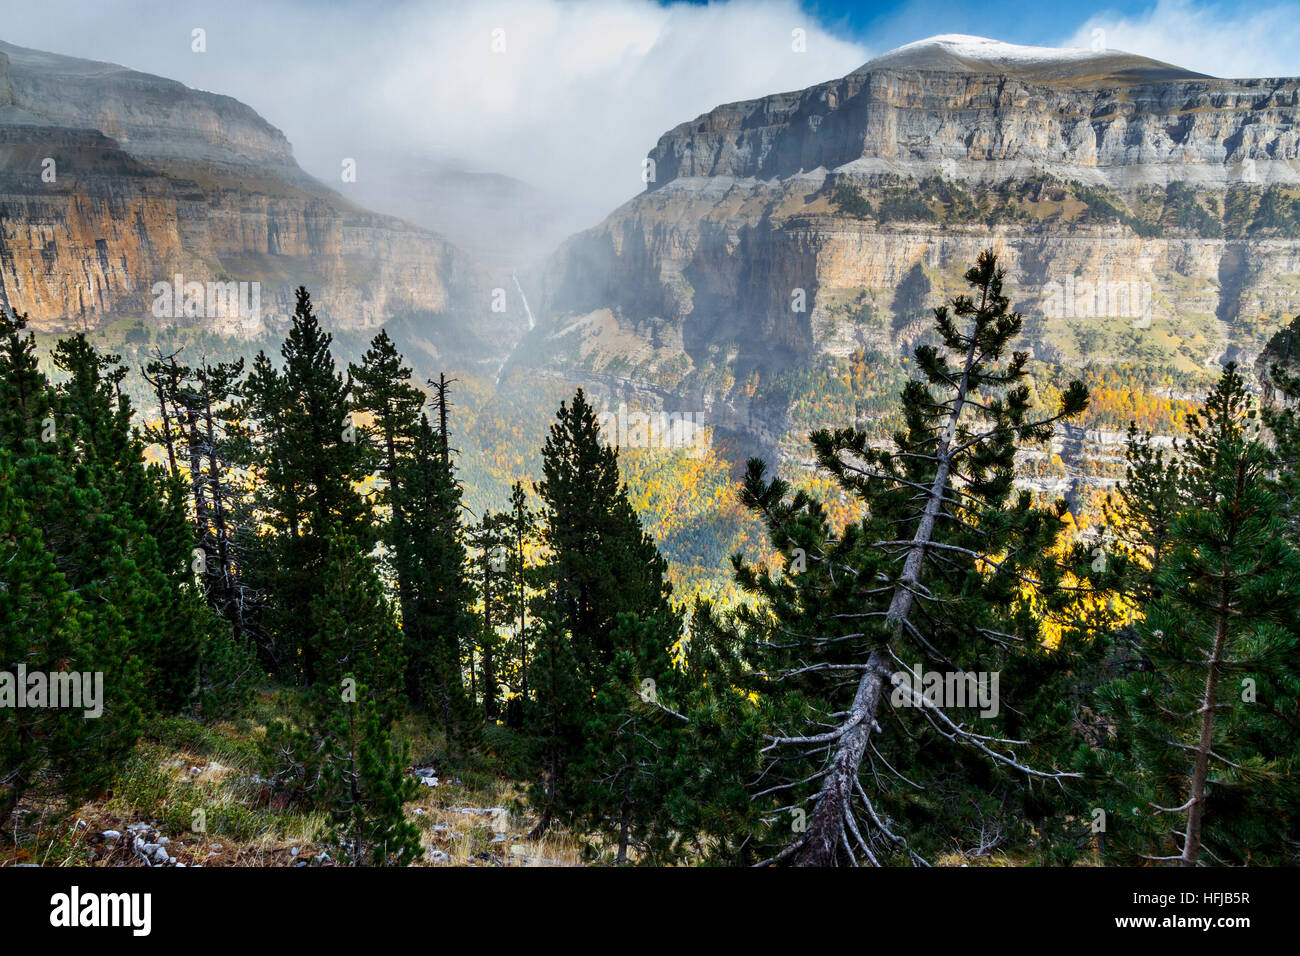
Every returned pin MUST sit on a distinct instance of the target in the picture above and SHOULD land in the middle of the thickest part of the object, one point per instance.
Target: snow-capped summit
(959, 53)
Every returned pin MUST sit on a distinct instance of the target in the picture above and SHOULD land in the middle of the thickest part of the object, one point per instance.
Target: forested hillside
(340, 614)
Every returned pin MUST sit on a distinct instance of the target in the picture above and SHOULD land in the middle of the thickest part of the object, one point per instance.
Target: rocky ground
(191, 795)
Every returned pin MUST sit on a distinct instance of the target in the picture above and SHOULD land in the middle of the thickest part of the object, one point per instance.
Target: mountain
(955, 53)
(112, 181)
(503, 222)
(1148, 218)
(995, 110)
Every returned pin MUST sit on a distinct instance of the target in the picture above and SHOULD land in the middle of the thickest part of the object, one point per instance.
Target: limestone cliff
(1280, 357)
(968, 107)
(1146, 215)
(113, 180)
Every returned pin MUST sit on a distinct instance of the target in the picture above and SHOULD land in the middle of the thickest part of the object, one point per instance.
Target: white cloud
(584, 87)
(1233, 41)
(581, 93)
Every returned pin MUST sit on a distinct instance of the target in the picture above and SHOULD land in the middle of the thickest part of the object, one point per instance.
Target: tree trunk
(1200, 771)
(623, 836)
(523, 629)
(166, 428)
(489, 665)
(230, 609)
(823, 834)
(834, 801)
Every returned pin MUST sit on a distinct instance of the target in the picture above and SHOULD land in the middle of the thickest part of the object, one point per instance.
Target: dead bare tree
(971, 540)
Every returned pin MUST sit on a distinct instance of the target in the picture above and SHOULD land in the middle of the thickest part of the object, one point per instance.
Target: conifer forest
(413, 458)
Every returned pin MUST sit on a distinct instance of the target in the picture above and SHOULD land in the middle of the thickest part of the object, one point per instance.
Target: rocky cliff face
(968, 107)
(149, 116)
(112, 181)
(1144, 215)
(1281, 356)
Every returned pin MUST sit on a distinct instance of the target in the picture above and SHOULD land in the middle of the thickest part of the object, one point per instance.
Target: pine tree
(364, 786)
(1203, 763)
(226, 539)
(554, 720)
(425, 533)
(341, 758)
(627, 771)
(166, 377)
(96, 578)
(520, 531)
(718, 752)
(309, 460)
(45, 628)
(437, 621)
(196, 419)
(490, 539)
(607, 598)
(935, 574)
(355, 633)
(142, 525)
(362, 780)
(382, 388)
(601, 561)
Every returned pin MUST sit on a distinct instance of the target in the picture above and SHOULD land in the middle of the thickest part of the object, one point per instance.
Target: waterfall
(532, 324)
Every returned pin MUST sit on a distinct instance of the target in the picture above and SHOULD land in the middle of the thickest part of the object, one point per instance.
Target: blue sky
(1031, 22)
(884, 24)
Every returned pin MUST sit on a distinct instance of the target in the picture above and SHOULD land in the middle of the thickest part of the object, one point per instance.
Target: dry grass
(486, 825)
(200, 788)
